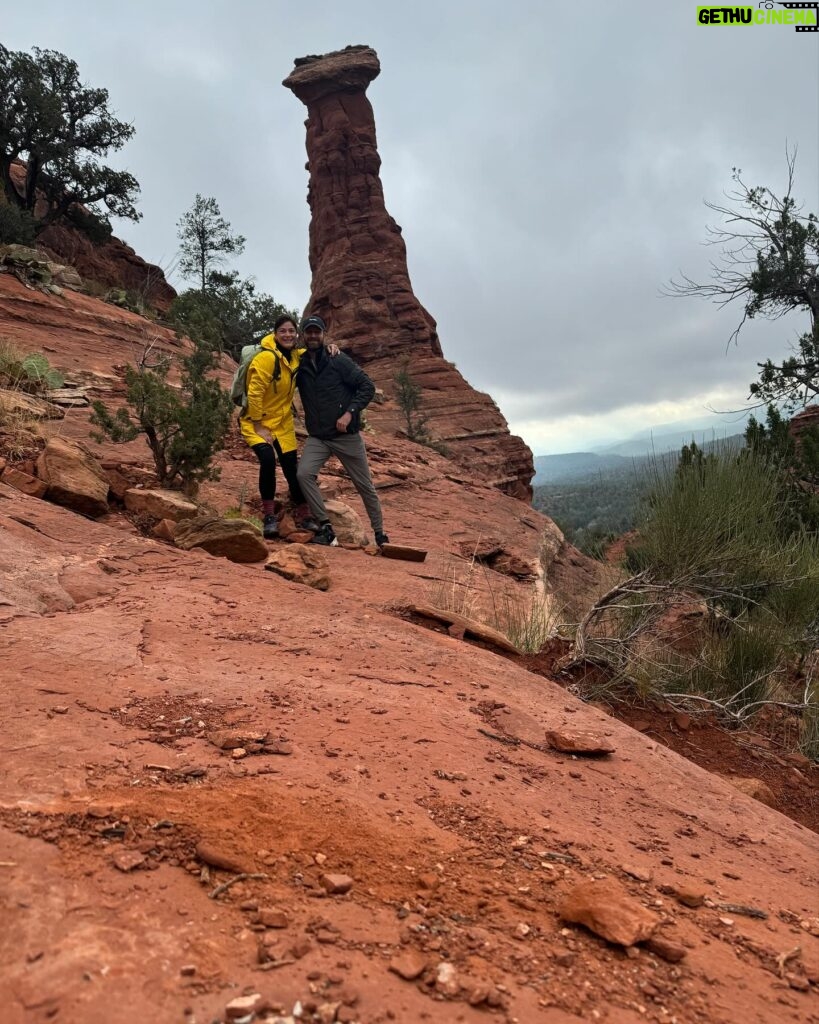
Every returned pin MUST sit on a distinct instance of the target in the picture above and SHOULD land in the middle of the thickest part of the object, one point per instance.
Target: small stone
(238, 753)
(326, 1013)
(797, 982)
(689, 896)
(429, 881)
(300, 949)
(682, 721)
(605, 908)
(216, 857)
(673, 952)
(243, 1006)
(336, 885)
(728, 922)
(408, 965)
(641, 874)
(128, 860)
(587, 743)
(522, 931)
(478, 995)
(446, 980)
(188, 970)
(320, 859)
(326, 937)
(272, 918)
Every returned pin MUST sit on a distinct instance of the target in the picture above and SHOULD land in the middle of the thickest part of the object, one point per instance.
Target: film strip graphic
(802, 7)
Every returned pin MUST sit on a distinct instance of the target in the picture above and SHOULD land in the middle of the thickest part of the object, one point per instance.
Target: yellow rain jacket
(270, 400)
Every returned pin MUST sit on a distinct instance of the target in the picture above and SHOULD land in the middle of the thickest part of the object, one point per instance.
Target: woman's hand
(262, 432)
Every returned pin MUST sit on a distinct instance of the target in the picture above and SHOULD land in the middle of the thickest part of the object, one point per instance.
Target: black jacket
(330, 388)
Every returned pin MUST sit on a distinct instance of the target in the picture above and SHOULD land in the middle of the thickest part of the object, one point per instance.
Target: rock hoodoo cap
(313, 321)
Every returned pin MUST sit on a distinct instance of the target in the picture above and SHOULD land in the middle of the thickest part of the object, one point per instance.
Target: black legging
(266, 454)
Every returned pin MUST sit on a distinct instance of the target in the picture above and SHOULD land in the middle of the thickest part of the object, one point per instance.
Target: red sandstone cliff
(361, 283)
(112, 264)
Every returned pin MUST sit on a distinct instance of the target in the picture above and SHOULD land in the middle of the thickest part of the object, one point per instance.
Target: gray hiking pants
(351, 453)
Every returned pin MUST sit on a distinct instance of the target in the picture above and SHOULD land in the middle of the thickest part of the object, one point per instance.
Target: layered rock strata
(361, 284)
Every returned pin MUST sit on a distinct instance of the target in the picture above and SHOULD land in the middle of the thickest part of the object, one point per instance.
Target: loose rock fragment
(128, 860)
(446, 980)
(272, 918)
(243, 1006)
(217, 857)
(605, 908)
(689, 895)
(336, 885)
(664, 948)
(588, 744)
(408, 965)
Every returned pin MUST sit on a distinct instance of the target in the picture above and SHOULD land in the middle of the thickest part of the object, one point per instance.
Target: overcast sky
(547, 162)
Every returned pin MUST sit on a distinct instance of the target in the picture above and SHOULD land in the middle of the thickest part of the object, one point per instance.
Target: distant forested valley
(594, 498)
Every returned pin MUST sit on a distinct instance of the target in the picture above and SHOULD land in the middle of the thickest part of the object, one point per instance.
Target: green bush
(184, 427)
(16, 225)
(718, 533)
(31, 373)
(95, 227)
(229, 311)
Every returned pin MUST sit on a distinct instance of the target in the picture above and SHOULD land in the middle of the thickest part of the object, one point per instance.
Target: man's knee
(304, 474)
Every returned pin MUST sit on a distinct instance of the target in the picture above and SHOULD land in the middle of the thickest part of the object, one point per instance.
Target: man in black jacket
(333, 393)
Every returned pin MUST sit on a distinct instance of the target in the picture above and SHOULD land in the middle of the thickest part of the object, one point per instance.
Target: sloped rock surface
(74, 479)
(29, 406)
(234, 539)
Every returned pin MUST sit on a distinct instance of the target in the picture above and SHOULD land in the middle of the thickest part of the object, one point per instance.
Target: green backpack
(238, 389)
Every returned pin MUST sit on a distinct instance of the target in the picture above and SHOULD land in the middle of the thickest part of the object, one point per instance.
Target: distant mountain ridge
(633, 455)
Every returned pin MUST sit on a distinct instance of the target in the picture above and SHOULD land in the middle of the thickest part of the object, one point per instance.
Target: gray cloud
(547, 163)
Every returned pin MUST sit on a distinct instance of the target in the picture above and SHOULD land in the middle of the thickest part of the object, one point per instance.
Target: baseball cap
(313, 321)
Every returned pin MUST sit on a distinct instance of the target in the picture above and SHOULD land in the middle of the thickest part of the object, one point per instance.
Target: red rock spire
(361, 284)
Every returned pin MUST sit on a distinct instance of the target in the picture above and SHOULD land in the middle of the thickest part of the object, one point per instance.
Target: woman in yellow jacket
(268, 425)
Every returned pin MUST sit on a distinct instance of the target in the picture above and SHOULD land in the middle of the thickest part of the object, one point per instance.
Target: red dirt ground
(416, 767)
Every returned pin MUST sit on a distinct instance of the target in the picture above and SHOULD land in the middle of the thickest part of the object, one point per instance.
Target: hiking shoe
(381, 538)
(324, 535)
(270, 528)
(304, 520)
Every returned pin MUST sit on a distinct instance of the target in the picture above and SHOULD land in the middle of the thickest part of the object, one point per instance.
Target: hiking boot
(270, 528)
(381, 538)
(304, 520)
(324, 535)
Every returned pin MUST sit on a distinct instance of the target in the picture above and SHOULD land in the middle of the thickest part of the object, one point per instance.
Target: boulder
(28, 406)
(73, 477)
(65, 276)
(606, 909)
(301, 563)
(117, 483)
(235, 539)
(346, 523)
(160, 503)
